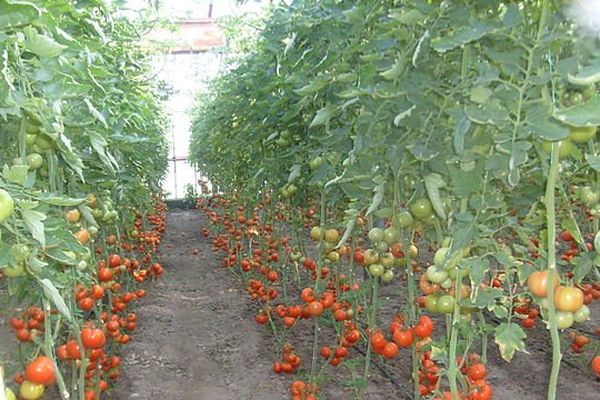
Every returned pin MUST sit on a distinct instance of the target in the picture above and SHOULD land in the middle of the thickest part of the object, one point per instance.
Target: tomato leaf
(583, 266)
(16, 174)
(295, 172)
(52, 294)
(463, 35)
(593, 161)
(42, 45)
(17, 12)
(33, 221)
(510, 338)
(585, 114)
(433, 183)
(377, 198)
(50, 198)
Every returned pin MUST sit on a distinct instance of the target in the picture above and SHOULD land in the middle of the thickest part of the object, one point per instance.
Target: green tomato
(32, 129)
(582, 315)
(92, 230)
(7, 206)
(435, 275)
(405, 219)
(465, 319)
(30, 139)
(82, 265)
(376, 270)
(390, 235)
(430, 220)
(452, 273)
(387, 276)
(315, 163)
(14, 271)
(382, 247)
(431, 303)
(445, 304)
(446, 284)
(43, 142)
(564, 319)
(34, 160)
(10, 395)
(440, 256)
(566, 148)
(588, 195)
(421, 209)
(582, 134)
(376, 235)
(31, 391)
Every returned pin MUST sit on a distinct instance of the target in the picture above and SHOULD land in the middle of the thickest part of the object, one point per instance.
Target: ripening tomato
(314, 309)
(403, 337)
(538, 281)
(41, 371)
(569, 299)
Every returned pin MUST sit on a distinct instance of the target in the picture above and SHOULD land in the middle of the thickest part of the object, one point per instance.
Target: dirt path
(195, 341)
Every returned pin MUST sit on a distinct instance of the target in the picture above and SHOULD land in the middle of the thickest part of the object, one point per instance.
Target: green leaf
(33, 221)
(377, 198)
(480, 94)
(52, 294)
(510, 338)
(433, 183)
(586, 76)
(99, 145)
(462, 35)
(17, 12)
(406, 113)
(488, 113)
(477, 268)
(421, 152)
(593, 161)
(585, 114)
(95, 113)
(42, 45)
(394, 71)
(322, 117)
(16, 174)
(58, 255)
(583, 266)
(49, 198)
(295, 172)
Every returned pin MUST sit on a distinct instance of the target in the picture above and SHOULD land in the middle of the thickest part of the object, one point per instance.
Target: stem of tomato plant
(315, 349)
(552, 270)
(48, 349)
(452, 367)
(372, 322)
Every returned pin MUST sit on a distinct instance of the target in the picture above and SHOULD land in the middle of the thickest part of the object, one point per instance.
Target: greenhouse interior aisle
(196, 338)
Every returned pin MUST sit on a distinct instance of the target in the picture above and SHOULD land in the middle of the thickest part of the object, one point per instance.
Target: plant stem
(552, 270)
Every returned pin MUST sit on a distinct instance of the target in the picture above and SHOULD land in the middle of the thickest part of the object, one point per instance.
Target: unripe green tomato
(582, 315)
(30, 139)
(390, 235)
(376, 270)
(82, 265)
(566, 148)
(564, 319)
(10, 395)
(382, 247)
(413, 251)
(445, 304)
(92, 230)
(440, 256)
(387, 276)
(421, 209)
(446, 242)
(31, 391)
(431, 303)
(405, 219)
(371, 256)
(34, 161)
(14, 271)
(465, 319)
(7, 206)
(32, 129)
(315, 163)
(582, 134)
(447, 284)
(20, 251)
(431, 220)
(588, 195)
(454, 272)
(43, 142)
(376, 235)
(435, 275)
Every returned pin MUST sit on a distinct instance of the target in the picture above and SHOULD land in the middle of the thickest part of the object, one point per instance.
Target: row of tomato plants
(337, 290)
(82, 154)
(469, 127)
